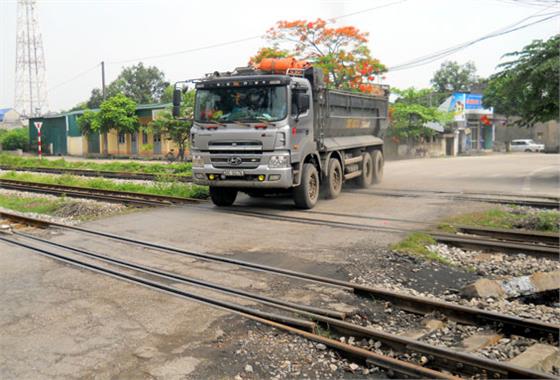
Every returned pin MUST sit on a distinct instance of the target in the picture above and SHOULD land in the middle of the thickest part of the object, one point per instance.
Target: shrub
(15, 139)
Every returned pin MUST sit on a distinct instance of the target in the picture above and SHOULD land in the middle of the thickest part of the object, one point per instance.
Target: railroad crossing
(249, 279)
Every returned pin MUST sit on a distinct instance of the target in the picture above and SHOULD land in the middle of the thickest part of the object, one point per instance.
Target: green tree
(15, 139)
(341, 52)
(143, 84)
(88, 122)
(452, 77)
(528, 85)
(178, 130)
(95, 99)
(409, 114)
(140, 83)
(411, 95)
(167, 96)
(117, 112)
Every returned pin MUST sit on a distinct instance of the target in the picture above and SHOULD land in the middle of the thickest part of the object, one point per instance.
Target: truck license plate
(234, 173)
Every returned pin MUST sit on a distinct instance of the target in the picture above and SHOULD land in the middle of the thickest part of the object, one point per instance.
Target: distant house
(10, 119)
(473, 127)
(61, 135)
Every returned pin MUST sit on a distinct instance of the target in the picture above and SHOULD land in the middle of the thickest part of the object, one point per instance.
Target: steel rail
(420, 305)
(514, 247)
(486, 193)
(85, 195)
(312, 221)
(440, 357)
(269, 301)
(99, 173)
(517, 235)
(548, 204)
(274, 320)
(97, 192)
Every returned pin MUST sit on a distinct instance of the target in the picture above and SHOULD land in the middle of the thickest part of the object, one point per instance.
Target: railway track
(141, 199)
(504, 246)
(499, 198)
(546, 202)
(100, 173)
(545, 238)
(537, 244)
(440, 358)
(413, 304)
(531, 243)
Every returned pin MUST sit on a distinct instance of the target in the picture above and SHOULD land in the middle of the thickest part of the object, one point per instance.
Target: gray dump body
(345, 118)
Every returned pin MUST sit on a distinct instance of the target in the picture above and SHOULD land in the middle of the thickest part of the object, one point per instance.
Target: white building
(10, 119)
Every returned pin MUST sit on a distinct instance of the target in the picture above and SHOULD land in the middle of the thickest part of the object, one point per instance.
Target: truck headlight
(197, 161)
(279, 162)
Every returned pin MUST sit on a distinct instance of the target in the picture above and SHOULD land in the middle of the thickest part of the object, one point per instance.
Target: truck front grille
(235, 146)
(235, 160)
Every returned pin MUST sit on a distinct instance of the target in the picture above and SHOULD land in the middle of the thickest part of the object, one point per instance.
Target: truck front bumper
(277, 178)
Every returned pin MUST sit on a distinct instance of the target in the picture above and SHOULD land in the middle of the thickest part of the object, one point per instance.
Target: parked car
(526, 145)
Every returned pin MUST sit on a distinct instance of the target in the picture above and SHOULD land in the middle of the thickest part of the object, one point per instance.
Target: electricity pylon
(30, 87)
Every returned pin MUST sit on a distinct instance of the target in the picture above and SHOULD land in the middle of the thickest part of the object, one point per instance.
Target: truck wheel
(307, 193)
(366, 178)
(333, 183)
(223, 196)
(378, 163)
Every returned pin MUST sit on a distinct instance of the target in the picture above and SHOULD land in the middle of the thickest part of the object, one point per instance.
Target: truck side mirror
(176, 112)
(302, 101)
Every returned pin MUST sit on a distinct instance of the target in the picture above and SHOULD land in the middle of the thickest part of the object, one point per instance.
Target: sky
(79, 34)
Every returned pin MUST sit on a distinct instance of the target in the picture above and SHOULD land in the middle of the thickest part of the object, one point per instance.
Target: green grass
(176, 189)
(181, 168)
(416, 244)
(36, 205)
(540, 220)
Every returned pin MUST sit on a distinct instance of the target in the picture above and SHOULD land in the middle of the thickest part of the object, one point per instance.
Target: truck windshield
(241, 104)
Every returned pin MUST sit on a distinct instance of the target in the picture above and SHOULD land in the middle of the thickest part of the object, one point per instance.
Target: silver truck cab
(247, 131)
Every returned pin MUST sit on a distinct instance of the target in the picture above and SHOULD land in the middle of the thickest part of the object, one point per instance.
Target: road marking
(527, 181)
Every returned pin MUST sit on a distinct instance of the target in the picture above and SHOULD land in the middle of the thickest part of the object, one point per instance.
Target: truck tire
(378, 163)
(366, 166)
(335, 177)
(223, 196)
(307, 193)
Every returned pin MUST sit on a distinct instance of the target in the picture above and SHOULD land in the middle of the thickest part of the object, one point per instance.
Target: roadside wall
(543, 133)
(416, 149)
(75, 146)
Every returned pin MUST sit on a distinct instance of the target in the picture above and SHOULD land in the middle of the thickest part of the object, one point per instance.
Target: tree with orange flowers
(341, 52)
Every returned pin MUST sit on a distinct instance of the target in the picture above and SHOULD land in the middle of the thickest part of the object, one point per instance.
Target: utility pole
(103, 79)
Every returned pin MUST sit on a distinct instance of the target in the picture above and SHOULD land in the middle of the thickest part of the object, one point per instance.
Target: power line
(186, 51)
(170, 54)
(74, 77)
(368, 10)
(446, 52)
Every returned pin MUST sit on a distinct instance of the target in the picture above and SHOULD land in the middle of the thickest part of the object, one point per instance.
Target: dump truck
(277, 128)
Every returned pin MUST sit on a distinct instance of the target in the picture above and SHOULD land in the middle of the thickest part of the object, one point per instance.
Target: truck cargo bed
(349, 118)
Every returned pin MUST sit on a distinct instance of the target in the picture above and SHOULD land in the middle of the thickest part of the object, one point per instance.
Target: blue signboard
(470, 103)
(473, 101)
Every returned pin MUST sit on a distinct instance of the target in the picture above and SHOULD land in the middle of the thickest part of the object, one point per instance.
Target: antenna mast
(31, 86)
